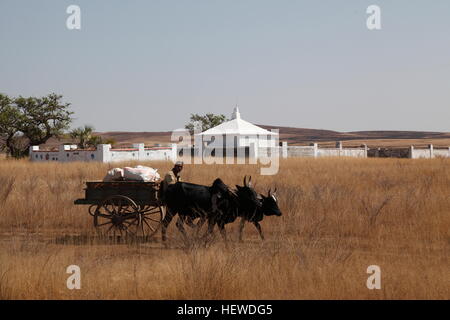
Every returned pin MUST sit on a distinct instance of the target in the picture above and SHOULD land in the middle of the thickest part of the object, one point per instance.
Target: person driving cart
(171, 177)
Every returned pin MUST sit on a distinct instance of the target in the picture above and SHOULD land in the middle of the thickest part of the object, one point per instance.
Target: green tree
(95, 140)
(205, 122)
(31, 121)
(9, 118)
(82, 135)
(85, 137)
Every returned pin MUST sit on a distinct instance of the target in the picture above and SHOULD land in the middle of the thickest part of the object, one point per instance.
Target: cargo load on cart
(138, 173)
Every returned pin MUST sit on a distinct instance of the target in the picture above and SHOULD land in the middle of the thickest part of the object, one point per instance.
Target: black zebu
(268, 207)
(191, 201)
(250, 207)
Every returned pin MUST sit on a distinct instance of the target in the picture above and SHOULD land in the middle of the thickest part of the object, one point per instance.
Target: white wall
(442, 153)
(429, 153)
(344, 152)
(40, 156)
(300, 151)
(314, 151)
(103, 153)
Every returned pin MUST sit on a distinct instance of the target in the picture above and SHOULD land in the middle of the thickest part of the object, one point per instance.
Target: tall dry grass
(339, 217)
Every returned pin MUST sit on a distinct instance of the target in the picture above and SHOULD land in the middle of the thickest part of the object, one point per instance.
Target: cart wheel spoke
(149, 213)
(119, 206)
(155, 220)
(145, 220)
(107, 209)
(131, 223)
(109, 229)
(104, 224)
(105, 216)
(128, 209)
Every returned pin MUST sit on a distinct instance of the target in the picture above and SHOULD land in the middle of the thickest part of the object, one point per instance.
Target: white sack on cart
(141, 173)
(115, 174)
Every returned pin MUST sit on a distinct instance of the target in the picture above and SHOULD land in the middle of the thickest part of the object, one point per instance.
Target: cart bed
(142, 193)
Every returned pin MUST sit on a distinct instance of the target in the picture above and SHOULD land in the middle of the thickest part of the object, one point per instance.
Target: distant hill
(371, 138)
(301, 136)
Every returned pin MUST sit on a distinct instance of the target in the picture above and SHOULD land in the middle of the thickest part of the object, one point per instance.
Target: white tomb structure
(239, 134)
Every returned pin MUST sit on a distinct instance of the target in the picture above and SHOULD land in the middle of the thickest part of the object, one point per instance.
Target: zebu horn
(250, 182)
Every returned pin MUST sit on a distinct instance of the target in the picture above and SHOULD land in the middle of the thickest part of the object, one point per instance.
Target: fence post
(365, 150)
(339, 146)
(284, 152)
(430, 146)
(411, 152)
(316, 150)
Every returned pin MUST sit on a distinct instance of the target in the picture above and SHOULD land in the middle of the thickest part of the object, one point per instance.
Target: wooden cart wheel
(117, 215)
(151, 218)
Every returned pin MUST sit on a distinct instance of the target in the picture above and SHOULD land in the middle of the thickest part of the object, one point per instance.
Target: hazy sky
(146, 65)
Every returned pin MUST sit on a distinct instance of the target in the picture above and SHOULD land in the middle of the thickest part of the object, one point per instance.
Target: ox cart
(126, 208)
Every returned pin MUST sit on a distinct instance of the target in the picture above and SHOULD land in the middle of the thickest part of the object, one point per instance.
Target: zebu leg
(196, 212)
(199, 226)
(165, 223)
(258, 227)
(211, 223)
(180, 223)
(203, 215)
(241, 228)
(223, 232)
(189, 222)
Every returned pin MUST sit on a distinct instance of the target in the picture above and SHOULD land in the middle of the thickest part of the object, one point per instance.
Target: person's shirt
(170, 178)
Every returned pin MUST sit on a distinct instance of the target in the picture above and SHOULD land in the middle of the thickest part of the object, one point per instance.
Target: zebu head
(248, 198)
(270, 204)
(219, 186)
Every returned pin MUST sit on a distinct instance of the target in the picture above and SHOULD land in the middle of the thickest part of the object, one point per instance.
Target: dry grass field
(339, 217)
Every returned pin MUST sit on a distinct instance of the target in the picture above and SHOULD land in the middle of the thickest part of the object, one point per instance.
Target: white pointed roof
(237, 126)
